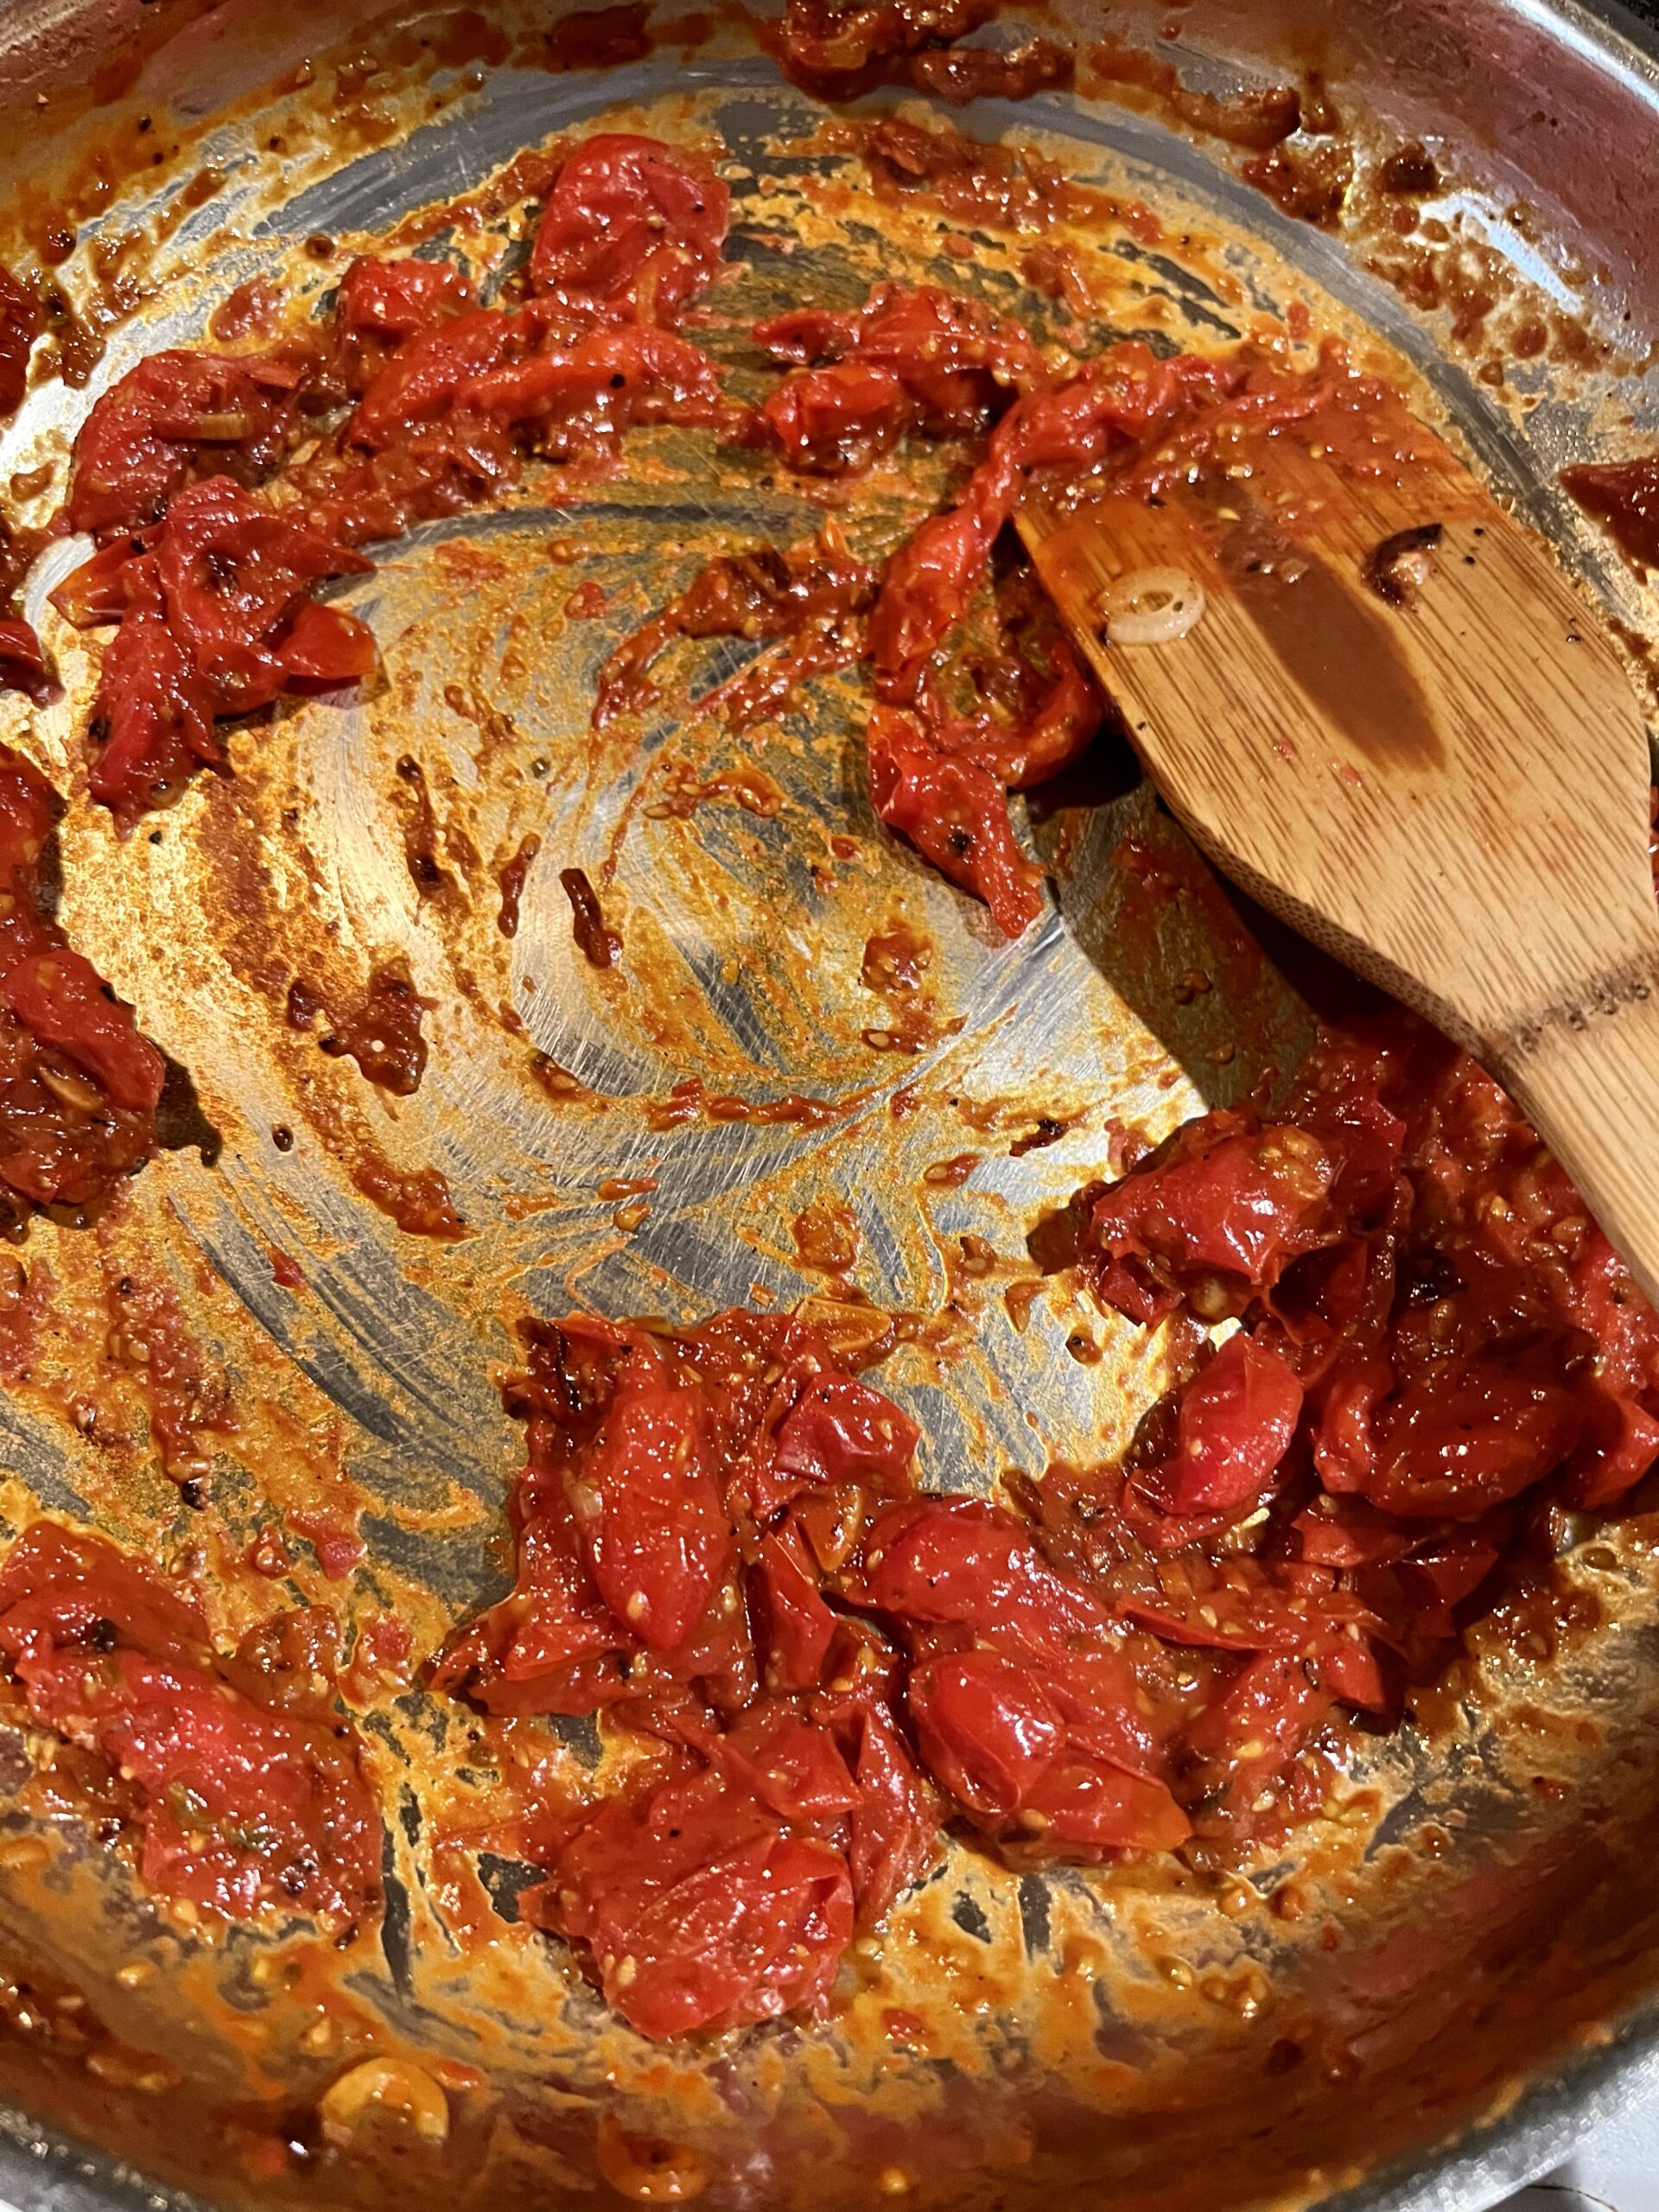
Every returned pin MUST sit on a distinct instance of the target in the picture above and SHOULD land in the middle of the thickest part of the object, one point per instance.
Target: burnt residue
(1398, 570)
(304, 1003)
(181, 1123)
(431, 879)
(600, 945)
(512, 878)
(382, 1032)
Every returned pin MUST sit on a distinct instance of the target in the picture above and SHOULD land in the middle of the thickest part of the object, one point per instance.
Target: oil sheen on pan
(732, 1470)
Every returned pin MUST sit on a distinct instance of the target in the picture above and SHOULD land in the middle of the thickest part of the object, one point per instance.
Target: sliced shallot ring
(1151, 607)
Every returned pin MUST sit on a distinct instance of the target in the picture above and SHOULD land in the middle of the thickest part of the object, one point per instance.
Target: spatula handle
(1590, 1086)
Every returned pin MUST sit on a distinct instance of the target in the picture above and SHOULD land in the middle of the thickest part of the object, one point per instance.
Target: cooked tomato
(399, 297)
(924, 359)
(23, 663)
(1465, 1435)
(422, 379)
(21, 324)
(59, 996)
(241, 1807)
(215, 620)
(699, 1906)
(1234, 1425)
(632, 229)
(115, 580)
(956, 813)
(1227, 1203)
(892, 1831)
(155, 711)
(839, 1430)
(589, 393)
(838, 48)
(232, 571)
(78, 1084)
(175, 416)
(986, 1728)
(835, 421)
(794, 1628)
(647, 1508)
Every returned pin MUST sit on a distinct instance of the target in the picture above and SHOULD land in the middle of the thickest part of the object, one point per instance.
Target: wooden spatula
(1425, 756)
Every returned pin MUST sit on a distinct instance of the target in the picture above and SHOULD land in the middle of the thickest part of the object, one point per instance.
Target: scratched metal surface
(744, 933)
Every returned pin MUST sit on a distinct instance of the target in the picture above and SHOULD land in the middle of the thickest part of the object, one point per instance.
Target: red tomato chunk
(212, 582)
(79, 1084)
(721, 1545)
(241, 1807)
(631, 231)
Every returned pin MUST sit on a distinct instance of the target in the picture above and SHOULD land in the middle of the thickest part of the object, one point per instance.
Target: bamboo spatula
(1425, 756)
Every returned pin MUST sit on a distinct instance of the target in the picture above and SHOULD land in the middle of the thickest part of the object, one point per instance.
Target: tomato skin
(1234, 1425)
(421, 381)
(657, 1539)
(958, 1560)
(21, 324)
(838, 52)
(591, 392)
(892, 1831)
(1617, 1447)
(986, 1728)
(925, 590)
(840, 1430)
(60, 1035)
(1453, 1444)
(921, 359)
(59, 996)
(1225, 1198)
(794, 1626)
(232, 571)
(1030, 750)
(929, 581)
(213, 621)
(953, 1567)
(632, 229)
(794, 1767)
(158, 711)
(56, 1583)
(325, 646)
(23, 663)
(806, 336)
(241, 1805)
(150, 434)
(722, 1915)
(399, 297)
(835, 421)
(112, 582)
(956, 813)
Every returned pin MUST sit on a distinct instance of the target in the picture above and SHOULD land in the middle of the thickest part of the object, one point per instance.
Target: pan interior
(1168, 2039)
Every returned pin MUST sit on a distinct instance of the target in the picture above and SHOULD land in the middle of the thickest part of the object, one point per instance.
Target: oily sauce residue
(382, 1032)
(1345, 657)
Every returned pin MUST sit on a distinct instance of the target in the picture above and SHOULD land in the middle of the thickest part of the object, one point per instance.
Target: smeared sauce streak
(512, 879)
(600, 945)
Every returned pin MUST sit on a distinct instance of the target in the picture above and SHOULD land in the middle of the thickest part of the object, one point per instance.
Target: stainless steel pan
(1471, 1975)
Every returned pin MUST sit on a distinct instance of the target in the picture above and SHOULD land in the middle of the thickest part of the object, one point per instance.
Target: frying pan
(1459, 1968)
